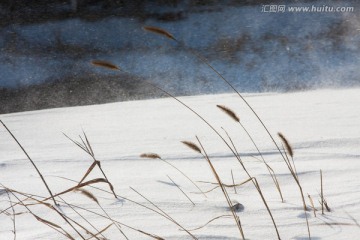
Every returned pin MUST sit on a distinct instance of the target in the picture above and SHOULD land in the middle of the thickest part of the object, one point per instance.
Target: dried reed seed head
(159, 31)
(287, 144)
(229, 112)
(150, 155)
(191, 145)
(104, 64)
(87, 194)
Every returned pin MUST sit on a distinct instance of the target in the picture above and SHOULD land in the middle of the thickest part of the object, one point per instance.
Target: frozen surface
(322, 126)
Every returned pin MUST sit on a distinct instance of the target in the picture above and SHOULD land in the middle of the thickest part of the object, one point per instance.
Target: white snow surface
(322, 126)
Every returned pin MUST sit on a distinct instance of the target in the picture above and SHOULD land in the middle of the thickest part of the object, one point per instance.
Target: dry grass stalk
(20, 202)
(181, 190)
(327, 206)
(13, 218)
(92, 197)
(127, 199)
(297, 180)
(164, 214)
(103, 230)
(254, 181)
(223, 189)
(63, 216)
(98, 232)
(53, 226)
(92, 166)
(156, 156)
(191, 145)
(322, 193)
(90, 182)
(107, 216)
(353, 219)
(113, 221)
(48, 223)
(312, 204)
(105, 64)
(323, 200)
(210, 221)
(86, 147)
(270, 170)
(229, 112)
(159, 31)
(32, 162)
(273, 176)
(227, 185)
(232, 177)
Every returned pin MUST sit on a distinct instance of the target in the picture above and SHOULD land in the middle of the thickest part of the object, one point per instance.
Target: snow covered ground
(322, 126)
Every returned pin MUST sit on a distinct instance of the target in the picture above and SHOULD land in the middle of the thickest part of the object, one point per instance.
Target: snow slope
(322, 126)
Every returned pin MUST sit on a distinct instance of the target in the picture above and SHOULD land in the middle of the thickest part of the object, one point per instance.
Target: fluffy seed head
(87, 194)
(104, 64)
(159, 31)
(150, 155)
(191, 145)
(229, 112)
(287, 144)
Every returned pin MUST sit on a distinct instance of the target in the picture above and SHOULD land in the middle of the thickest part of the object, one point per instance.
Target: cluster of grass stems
(79, 230)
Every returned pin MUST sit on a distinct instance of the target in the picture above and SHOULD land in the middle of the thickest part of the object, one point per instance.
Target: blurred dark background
(32, 11)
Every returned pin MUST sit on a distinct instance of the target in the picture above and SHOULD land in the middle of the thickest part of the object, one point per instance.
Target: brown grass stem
(296, 178)
(86, 146)
(156, 156)
(210, 221)
(223, 189)
(255, 182)
(176, 185)
(82, 217)
(91, 196)
(226, 185)
(270, 170)
(312, 204)
(322, 193)
(234, 116)
(32, 162)
(13, 217)
(67, 219)
(48, 223)
(232, 177)
(20, 202)
(162, 211)
(125, 198)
